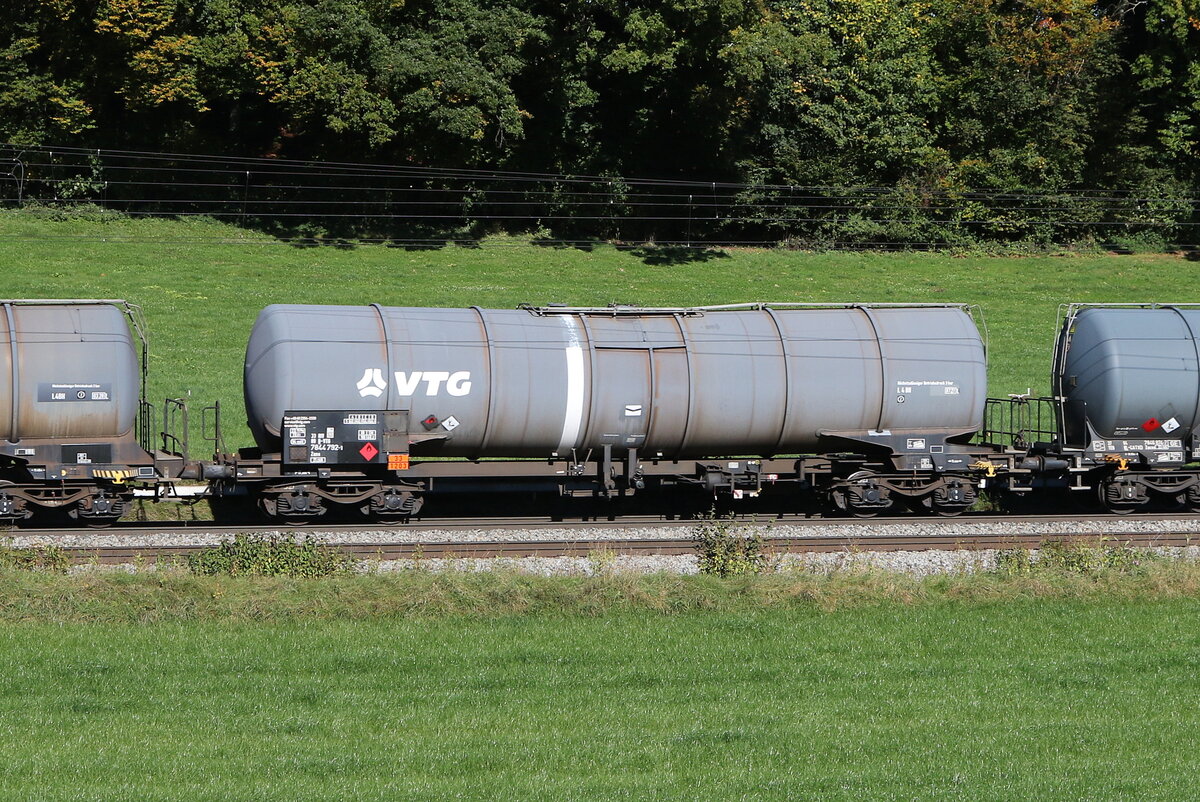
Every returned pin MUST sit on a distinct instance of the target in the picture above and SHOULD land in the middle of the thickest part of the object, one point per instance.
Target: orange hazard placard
(397, 462)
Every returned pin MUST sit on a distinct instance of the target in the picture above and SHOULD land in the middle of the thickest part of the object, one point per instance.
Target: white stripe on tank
(573, 419)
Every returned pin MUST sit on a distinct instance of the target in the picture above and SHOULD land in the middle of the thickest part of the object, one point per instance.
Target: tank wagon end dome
(1129, 370)
(68, 369)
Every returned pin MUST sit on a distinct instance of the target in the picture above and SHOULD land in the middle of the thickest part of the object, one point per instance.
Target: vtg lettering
(373, 384)
(457, 383)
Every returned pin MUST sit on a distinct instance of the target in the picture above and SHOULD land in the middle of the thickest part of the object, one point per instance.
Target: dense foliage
(934, 99)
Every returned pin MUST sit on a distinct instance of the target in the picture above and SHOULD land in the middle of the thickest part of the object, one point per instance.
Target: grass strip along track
(117, 555)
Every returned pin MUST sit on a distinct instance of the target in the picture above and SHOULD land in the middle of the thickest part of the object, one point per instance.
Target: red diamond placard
(369, 451)
(1151, 424)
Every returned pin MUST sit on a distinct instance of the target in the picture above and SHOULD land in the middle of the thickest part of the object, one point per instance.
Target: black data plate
(343, 437)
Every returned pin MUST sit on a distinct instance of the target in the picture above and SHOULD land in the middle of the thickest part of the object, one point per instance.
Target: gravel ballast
(860, 557)
(930, 562)
(862, 532)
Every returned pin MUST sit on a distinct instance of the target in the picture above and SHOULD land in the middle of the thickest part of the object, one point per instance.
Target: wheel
(369, 513)
(393, 506)
(294, 508)
(1121, 498)
(12, 509)
(862, 498)
(93, 521)
(1190, 501)
(952, 497)
(927, 506)
(98, 511)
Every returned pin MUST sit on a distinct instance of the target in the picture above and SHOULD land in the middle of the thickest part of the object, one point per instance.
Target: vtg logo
(373, 384)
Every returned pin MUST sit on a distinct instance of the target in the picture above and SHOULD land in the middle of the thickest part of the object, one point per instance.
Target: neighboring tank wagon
(634, 396)
(70, 392)
(1127, 379)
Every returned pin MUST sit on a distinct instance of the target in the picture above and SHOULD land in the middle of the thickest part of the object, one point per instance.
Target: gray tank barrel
(757, 380)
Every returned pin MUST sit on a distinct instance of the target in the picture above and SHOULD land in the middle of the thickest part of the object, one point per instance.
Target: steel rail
(418, 551)
(496, 523)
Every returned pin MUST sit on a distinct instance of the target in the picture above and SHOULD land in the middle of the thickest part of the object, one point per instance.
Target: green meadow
(1024, 700)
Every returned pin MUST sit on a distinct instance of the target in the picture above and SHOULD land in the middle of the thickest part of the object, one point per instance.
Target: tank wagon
(1122, 422)
(872, 405)
(70, 403)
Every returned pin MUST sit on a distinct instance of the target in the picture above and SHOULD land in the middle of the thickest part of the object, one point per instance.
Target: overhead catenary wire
(813, 193)
(405, 203)
(236, 177)
(320, 165)
(577, 199)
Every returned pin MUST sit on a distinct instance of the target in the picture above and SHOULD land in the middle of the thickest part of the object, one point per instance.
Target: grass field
(202, 284)
(1035, 700)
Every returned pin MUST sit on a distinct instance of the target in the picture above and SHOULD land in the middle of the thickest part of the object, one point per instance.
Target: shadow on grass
(585, 245)
(348, 235)
(420, 238)
(653, 255)
(417, 245)
(314, 242)
(402, 243)
(667, 255)
(434, 245)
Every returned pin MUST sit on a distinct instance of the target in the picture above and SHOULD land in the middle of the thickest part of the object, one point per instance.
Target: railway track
(501, 524)
(584, 547)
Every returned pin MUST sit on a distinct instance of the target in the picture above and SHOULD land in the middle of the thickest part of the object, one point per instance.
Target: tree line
(930, 96)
